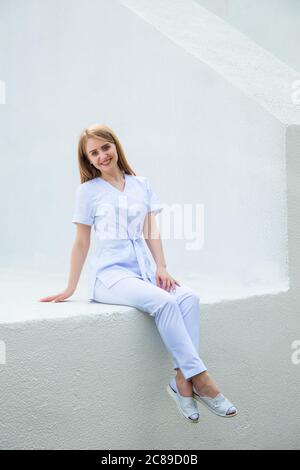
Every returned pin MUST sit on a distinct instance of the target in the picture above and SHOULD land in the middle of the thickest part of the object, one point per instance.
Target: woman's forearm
(156, 248)
(78, 256)
(153, 240)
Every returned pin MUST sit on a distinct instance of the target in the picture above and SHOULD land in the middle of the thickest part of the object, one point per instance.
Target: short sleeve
(154, 204)
(83, 213)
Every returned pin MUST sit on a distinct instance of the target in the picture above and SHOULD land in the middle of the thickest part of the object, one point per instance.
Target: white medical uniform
(118, 218)
(120, 270)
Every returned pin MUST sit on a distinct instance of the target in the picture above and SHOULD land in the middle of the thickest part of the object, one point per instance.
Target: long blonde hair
(86, 170)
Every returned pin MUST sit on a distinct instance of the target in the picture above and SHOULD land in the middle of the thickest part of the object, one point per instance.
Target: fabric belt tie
(137, 244)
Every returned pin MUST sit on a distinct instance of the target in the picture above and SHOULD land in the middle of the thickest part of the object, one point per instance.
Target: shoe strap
(219, 401)
(188, 404)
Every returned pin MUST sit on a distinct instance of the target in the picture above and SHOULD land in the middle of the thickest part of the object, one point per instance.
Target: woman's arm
(78, 255)
(154, 243)
(153, 240)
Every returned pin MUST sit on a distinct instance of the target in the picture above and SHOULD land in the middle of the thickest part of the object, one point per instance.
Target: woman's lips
(106, 162)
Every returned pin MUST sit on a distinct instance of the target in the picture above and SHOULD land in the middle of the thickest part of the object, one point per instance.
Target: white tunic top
(118, 219)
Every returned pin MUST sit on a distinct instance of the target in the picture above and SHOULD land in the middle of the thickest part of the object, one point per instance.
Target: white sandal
(186, 405)
(219, 405)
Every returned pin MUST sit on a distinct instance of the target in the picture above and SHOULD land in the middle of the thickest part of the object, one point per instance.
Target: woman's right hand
(58, 297)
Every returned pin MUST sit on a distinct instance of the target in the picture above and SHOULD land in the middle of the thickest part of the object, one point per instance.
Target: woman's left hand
(164, 280)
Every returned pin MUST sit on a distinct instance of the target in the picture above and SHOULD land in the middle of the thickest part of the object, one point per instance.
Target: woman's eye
(105, 148)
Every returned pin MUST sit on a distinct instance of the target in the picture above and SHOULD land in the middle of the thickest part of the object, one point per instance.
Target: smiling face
(102, 154)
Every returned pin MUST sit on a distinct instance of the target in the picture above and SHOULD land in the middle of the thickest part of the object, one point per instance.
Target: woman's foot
(184, 387)
(204, 385)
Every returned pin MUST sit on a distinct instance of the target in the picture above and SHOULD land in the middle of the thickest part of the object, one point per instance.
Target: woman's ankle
(205, 385)
(184, 387)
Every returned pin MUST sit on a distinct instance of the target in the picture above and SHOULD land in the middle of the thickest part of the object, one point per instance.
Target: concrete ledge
(97, 380)
(22, 288)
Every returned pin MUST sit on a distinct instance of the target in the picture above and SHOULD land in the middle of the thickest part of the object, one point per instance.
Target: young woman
(121, 207)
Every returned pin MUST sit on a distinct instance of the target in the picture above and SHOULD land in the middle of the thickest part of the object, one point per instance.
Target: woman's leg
(162, 305)
(188, 303)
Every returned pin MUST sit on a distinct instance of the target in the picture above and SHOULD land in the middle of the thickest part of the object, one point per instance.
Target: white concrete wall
(98, 380)
(273, 24)
(197, 136)
(199, 114)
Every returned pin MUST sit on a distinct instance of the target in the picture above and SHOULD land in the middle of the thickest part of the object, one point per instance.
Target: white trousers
(176, 314)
